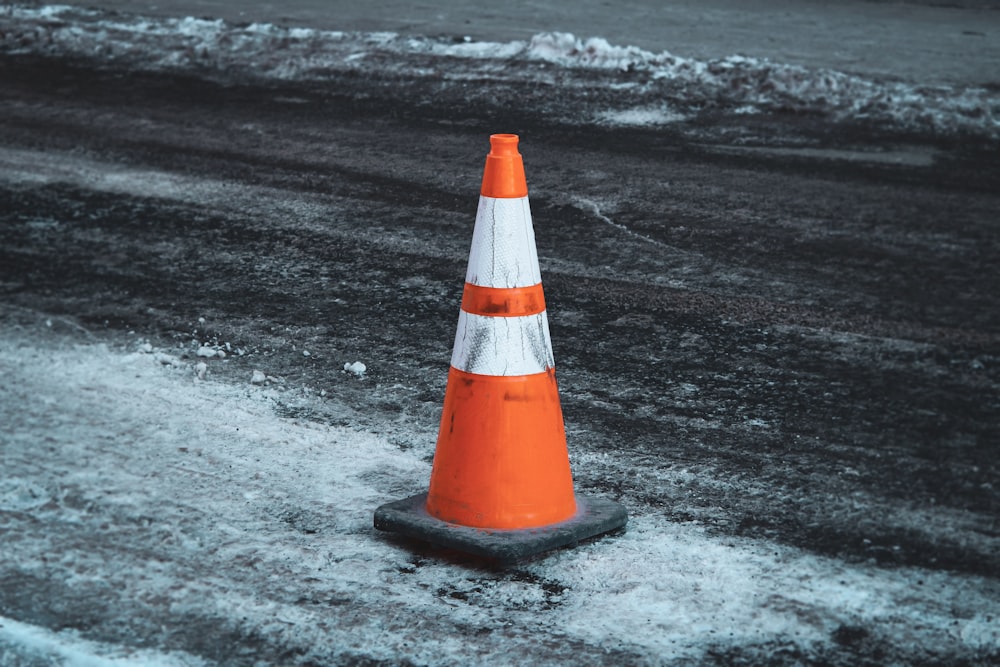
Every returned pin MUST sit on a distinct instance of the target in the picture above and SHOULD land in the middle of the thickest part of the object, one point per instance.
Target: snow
(165, 359)
(355, 368)
(641, 117)
(566, 49)
(685, 85)
(173, 500)
(29, 642)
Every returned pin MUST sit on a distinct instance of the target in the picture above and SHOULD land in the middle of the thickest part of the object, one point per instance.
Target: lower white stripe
(502, 345)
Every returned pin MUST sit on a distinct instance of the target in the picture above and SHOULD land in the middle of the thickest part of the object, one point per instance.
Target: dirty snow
(739, 83)
(164, 500)
(22, 644)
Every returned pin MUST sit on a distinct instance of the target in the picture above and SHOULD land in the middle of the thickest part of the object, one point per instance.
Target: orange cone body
(501, 459)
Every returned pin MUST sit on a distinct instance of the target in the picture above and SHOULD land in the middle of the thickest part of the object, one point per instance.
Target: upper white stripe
(502, 345)
(503, 245)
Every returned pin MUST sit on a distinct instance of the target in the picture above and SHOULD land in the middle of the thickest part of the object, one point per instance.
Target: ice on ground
(738, 83)
(185, 512)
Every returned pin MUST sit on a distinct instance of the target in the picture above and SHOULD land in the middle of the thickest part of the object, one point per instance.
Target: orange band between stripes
(502, 301)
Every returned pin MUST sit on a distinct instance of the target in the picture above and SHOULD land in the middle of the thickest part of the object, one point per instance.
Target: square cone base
(409, 517)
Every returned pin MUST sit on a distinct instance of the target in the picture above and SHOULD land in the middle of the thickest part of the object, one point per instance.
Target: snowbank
(736, 83)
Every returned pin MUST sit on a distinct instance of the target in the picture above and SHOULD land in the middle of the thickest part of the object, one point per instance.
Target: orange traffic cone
(501, 485)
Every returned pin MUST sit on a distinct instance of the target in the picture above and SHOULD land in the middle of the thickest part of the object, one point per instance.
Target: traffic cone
(501, 485)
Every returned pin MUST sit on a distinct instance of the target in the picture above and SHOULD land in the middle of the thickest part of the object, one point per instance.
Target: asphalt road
(814, 334)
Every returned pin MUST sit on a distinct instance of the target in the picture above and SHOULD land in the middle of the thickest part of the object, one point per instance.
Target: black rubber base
(409, 517)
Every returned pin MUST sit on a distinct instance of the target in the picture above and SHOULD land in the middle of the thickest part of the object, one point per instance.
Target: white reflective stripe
(502, 345)
(503, 245)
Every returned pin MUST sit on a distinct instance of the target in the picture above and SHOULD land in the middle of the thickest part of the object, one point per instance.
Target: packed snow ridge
(735, 83)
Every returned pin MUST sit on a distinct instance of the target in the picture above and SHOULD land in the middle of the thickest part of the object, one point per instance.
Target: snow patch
(157, 480)
(641, 117)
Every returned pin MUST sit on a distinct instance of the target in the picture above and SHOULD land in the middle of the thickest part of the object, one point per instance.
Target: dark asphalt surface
(814, 335)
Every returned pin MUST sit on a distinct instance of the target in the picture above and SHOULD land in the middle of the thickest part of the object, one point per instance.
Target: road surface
(777, 334)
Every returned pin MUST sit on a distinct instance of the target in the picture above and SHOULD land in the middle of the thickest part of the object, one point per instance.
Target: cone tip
(503, 144)
(504, 174)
